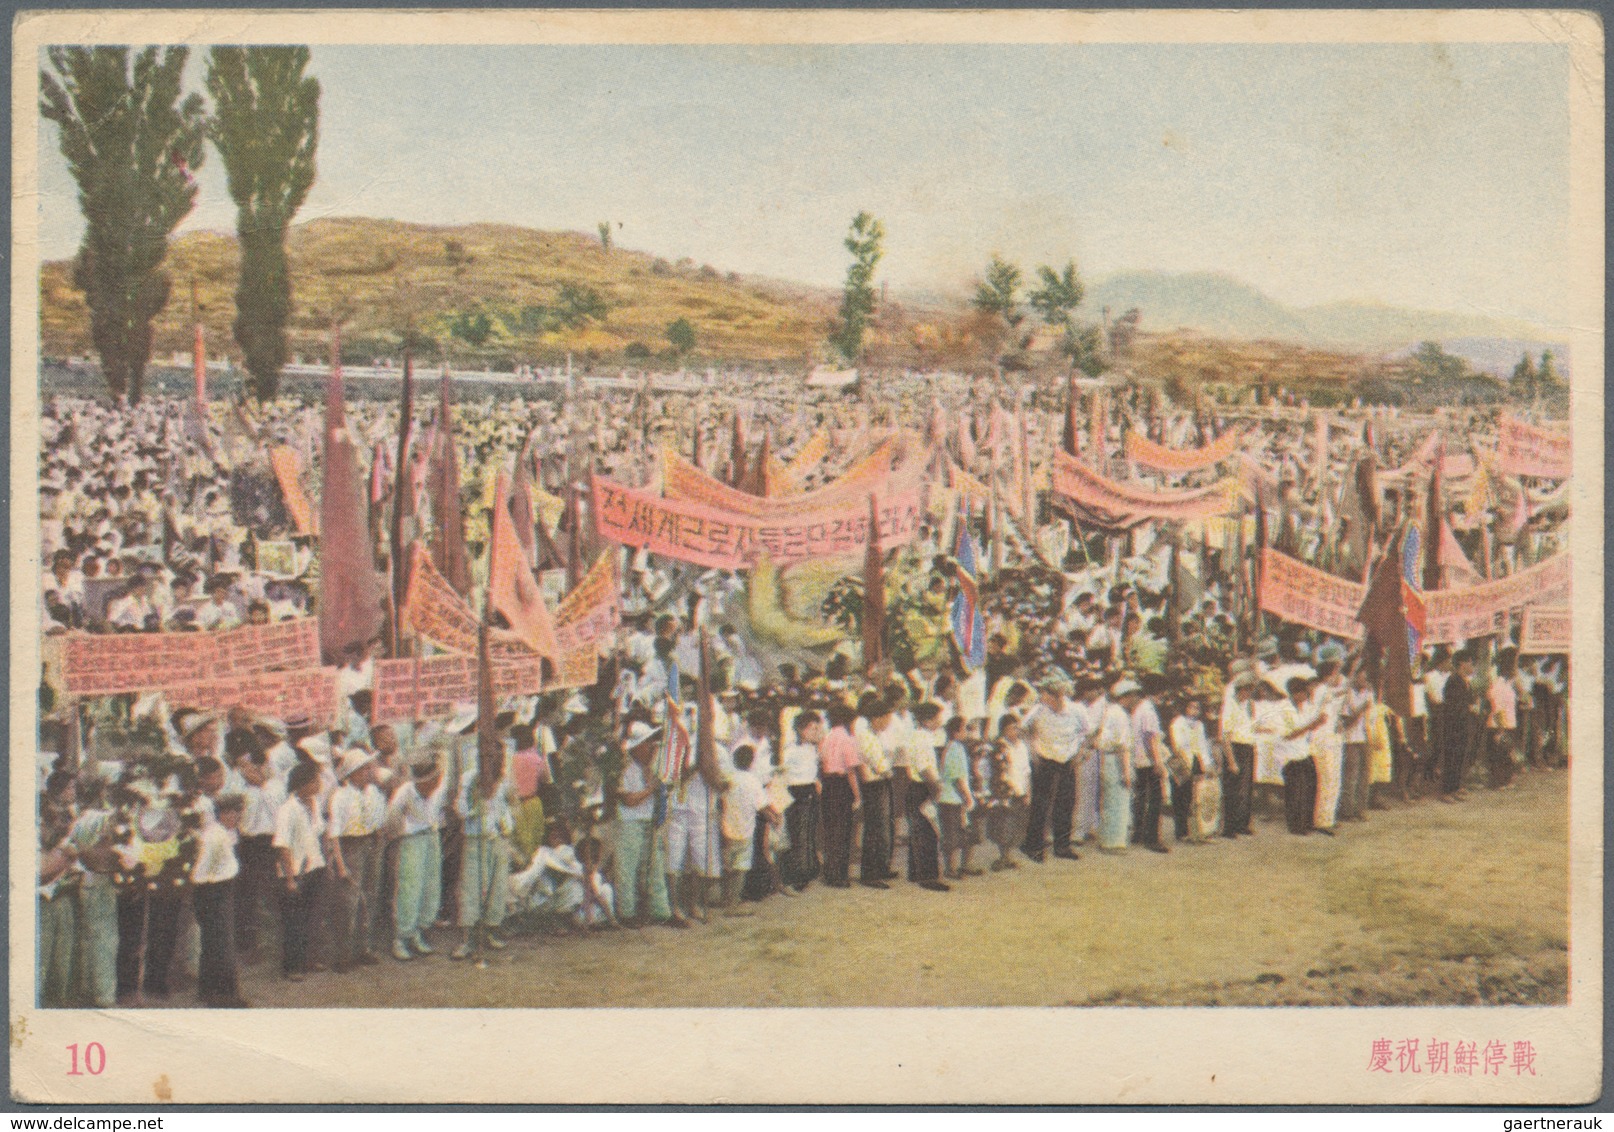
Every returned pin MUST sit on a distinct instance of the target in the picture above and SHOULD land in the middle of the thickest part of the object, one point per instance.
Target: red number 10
(94, 1060)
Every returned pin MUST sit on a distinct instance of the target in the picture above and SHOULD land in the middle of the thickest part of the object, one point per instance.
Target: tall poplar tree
(265, 126)
(866, 241)
(130, 142)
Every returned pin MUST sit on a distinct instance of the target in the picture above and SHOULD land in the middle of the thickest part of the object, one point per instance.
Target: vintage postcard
(807, 557)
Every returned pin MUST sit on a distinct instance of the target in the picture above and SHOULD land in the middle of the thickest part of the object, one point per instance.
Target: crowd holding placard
(1067, 649)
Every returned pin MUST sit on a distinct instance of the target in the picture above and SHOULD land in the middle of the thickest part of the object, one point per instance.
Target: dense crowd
(1129, 695)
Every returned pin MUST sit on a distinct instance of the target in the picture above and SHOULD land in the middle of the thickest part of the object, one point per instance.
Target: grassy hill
(380, 276)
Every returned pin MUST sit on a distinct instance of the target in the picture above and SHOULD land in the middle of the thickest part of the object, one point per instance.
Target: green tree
(1084, 347)
(999, 293)
(130, 143)
(1059, 295)
(1525, 382)
(577, 305)
(473, 327)
(604, 228)
(1547, 374)
(266, 128)
(866, 241)
(1433, 365)
(681, 336)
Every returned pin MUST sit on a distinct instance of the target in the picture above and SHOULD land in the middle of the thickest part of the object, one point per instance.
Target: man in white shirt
(357, 809)
(1056, 731)
(416, 811)
(213, 881)
(1148, 763)
(298, 830)
(1238, 737)
(1355, 700)
(801, 779)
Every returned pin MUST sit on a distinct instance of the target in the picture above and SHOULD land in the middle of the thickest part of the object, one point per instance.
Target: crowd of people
(1130, 698)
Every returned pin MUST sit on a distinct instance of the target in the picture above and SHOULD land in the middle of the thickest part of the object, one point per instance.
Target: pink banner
(308, 693)
(1141, 450)
(1546, 630)
(1076, 480)
(684, 482)
(437, 686)
(590, 612)
(706, 536)
(97, 664)
(1522, 449)
(1482, 610)
(1305, 595)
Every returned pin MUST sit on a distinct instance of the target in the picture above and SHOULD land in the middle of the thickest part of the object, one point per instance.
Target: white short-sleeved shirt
(356, 813)
(744, 799)
(633, 781)
(801, 764)
(215, 855)
(1017, 767)
(298, 830)
(1145, 722)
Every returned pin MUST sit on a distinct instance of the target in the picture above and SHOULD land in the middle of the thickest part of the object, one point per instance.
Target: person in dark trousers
(1148, 763)
(874, 773)
(838, 771)
(924, 785)
(1456, 727)
(1238, 736)
(801, 865)
(148, 930)
(298, 830)
(1293, 724)
(214, 877)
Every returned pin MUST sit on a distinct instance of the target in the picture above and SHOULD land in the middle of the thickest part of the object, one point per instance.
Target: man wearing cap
(356, 811)
(1057, 729)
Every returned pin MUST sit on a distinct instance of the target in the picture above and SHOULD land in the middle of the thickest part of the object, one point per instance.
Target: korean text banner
(706, 536)
(100, 664)
(1522, 449)
(1307, 596)
(1479, 611)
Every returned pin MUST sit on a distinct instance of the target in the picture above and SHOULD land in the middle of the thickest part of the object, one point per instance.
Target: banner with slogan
(437, 686)
(1547, 629)
(284, 461)
(1307, 596)
(309, 693)
(707, 536)
(807, 457)
(1482, 610)
(96, 664)
(1141, 450)
(1101, 495)
(589, 614)
(434, 611)
(1522, 449)
(684, 482)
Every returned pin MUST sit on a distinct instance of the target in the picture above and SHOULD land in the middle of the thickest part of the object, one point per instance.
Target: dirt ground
(1422, 904)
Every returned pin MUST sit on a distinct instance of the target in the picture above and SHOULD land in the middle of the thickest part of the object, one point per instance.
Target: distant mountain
(1221, 306)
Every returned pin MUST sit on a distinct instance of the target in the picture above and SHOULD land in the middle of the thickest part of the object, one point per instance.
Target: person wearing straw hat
(355, 813)
(485, 806)
(416, 811)
(639, 855)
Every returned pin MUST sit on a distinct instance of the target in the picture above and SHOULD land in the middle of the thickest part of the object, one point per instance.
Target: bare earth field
(1422, 904)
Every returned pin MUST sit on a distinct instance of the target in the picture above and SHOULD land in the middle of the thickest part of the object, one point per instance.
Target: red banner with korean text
(309, 693)
(1075, 480)
(1546, 629)
(1482, 610)
(436, 686)
(589, 614)
(1523, 449)
(100, 664)
(1141, 450)
(1307, 596)
(708, 536)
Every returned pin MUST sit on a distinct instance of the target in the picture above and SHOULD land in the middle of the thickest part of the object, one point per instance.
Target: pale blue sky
(1434, 177)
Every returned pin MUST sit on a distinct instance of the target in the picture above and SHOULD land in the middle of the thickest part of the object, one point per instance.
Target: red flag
(1071, 439)
(873, 592)
(574, 539)
(1384, 617)
(512, 590)
(695, 444)
(350, 597)
(403, 499)
(448, 547)
(199, 365)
